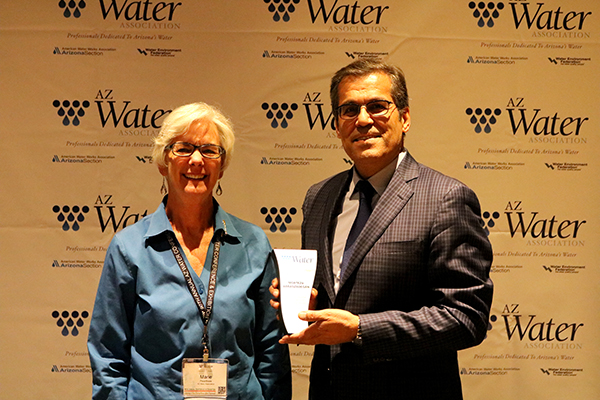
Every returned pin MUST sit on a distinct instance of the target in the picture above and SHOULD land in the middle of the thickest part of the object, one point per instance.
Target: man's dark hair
(366, 66)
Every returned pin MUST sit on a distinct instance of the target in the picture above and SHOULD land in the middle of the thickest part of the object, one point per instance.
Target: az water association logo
(534, 227)
(318, 114)
(279, 114)
(71, 217)
(538, 332)
(72, 8)
(282, 9)
(131, 118)
(549, 127)
(348, 17)
(539, 125)
(483, 119)
(137, 14)
(342, 16)
(486, 13)
(70, 323)
(541, 19)
(71, 111)
(136, 119)
(111, 217)
(278, 219)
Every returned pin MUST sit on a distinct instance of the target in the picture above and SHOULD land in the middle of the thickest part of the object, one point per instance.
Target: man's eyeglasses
(183, 149)
(375, 108)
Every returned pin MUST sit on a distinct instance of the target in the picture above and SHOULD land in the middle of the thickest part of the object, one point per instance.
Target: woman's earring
(163, 188)
(219, 190)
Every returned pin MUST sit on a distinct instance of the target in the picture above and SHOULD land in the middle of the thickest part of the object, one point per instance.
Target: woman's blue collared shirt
(145, 320)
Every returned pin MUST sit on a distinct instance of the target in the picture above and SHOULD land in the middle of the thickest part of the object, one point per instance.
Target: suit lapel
(335, 196)
(391, 202)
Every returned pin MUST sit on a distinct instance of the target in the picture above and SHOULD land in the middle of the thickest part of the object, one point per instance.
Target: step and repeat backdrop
(504, 96)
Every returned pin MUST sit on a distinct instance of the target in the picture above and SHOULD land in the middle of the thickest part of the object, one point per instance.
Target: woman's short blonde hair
(179, 121)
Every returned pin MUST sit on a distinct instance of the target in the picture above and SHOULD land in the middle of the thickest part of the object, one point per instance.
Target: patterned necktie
(366, 193)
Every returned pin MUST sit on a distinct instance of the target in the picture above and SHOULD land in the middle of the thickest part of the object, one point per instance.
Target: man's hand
(330, 326)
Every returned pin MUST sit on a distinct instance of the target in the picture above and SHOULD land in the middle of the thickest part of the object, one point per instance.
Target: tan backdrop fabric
(504, 96)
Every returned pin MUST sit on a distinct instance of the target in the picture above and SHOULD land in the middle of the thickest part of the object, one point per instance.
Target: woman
(146, 320)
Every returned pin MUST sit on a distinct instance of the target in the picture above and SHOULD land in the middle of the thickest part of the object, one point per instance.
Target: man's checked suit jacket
(418, 278)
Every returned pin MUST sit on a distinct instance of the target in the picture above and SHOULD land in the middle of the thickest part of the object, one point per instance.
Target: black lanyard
(205, 312)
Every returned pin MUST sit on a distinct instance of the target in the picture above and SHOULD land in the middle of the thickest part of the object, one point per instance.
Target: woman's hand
(274, 289)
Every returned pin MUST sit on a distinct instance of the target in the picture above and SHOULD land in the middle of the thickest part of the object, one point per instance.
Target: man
(394, 308)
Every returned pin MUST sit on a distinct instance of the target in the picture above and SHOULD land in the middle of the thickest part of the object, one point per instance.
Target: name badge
(204, 380)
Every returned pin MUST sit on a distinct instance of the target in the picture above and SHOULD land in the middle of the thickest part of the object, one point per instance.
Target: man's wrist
(358, 339)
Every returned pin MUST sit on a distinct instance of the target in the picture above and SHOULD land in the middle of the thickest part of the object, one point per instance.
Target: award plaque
(296, 270)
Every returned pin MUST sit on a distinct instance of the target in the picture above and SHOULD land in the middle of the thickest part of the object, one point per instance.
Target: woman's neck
(190, 218)
(193, 225)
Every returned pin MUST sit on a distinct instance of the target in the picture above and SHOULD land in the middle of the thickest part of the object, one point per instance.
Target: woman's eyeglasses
(183, 149)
